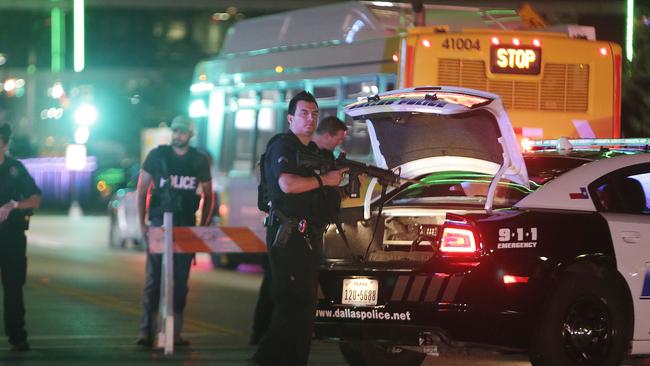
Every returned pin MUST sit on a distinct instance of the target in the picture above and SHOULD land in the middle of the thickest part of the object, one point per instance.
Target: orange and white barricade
(208, 239)
(197, 239)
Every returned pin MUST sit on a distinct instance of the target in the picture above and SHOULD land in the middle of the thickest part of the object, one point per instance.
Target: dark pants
(13, 265)
(294, 284)
(264, 305)
(151, 296)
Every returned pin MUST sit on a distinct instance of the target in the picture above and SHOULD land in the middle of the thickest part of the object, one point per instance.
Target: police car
(471, 252)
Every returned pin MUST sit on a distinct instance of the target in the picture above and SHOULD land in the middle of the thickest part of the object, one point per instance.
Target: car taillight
(459, 237)
(510, 279)
(456, 240)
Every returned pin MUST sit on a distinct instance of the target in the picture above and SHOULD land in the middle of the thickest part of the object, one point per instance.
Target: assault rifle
(317, 162)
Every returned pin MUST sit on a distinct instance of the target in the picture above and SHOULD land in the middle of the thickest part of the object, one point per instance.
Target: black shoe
(144, 341)
(20, 347)
(181, 342)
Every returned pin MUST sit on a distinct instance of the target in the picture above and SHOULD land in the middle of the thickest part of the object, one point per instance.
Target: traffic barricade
(197, 239)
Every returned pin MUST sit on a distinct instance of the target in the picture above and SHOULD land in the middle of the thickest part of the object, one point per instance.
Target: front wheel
(368, 354)
(586, 322)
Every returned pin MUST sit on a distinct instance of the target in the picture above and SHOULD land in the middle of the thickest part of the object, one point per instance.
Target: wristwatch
(14, 204)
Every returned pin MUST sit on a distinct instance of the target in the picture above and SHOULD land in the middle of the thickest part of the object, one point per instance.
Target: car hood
(431, 129)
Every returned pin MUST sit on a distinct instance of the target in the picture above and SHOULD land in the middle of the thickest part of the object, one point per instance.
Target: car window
(461, 188)
(625, 194)
(541, 169)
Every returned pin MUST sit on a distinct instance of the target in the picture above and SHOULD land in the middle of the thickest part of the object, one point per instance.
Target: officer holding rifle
(329, 134)
(295, 228)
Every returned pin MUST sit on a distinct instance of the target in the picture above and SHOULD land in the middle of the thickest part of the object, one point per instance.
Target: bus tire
(372, 354)
(582, 302)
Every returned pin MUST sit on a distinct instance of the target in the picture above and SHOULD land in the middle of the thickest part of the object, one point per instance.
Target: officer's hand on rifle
(333, 178)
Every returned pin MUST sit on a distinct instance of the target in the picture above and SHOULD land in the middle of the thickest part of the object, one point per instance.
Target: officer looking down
(18, 196)
(297, 220)
(330, 133)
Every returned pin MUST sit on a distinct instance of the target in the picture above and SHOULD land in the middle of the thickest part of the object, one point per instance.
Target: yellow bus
(552, 83)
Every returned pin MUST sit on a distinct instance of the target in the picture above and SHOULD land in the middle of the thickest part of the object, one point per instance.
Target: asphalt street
(83, 307)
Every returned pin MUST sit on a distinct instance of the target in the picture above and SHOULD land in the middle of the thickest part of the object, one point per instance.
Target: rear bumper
(406, 335)
(469, 306)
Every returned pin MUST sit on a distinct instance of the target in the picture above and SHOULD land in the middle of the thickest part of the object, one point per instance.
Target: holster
(287, 227)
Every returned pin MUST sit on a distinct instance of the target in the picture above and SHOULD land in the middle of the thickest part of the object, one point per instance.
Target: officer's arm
(33, 201)
(144, 183)
(207, 202)
(292, 183)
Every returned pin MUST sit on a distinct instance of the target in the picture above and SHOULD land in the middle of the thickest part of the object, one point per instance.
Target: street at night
(83, 307)
(83, 303)
(436, 183)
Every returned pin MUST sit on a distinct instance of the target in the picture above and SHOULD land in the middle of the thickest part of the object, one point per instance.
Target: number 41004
(461, 44)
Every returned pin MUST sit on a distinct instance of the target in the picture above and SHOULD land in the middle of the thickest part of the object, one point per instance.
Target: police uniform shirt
(15, 184)
(183, 175)
(281, 157)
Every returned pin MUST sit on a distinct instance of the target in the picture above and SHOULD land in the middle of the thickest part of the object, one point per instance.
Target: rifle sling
(337, 221)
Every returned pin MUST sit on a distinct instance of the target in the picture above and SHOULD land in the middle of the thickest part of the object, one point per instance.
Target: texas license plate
(359, 291)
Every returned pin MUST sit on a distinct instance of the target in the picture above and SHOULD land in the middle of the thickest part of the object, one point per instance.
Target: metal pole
(166, 335)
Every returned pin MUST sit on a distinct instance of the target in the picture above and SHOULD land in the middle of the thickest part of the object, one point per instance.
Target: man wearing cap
(174, 178)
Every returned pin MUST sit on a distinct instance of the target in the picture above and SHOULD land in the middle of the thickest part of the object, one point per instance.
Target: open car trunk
(453, 145)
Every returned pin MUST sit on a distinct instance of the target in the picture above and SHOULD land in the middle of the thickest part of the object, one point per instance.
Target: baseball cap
(182, 123)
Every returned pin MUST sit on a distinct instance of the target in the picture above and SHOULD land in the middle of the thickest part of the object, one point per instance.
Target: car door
(623, 199)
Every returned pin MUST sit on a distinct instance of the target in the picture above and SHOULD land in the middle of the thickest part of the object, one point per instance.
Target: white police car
(475, 253)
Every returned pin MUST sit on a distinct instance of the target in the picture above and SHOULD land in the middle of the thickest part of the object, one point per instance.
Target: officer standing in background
(173, 176)
(18, 196)
(294, 236)
(329, 134)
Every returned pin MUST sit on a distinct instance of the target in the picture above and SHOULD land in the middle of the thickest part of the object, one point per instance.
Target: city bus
(556, 81)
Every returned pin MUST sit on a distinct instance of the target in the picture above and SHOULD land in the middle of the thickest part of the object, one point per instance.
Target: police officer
(18, 196)
(172, 176)
(294, 234)
(329, 134)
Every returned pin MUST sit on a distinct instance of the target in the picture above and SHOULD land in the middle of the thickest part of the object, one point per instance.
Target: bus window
(283, 123)
(266, 120)
(326, 112)
(291, 93)
(360, 89)
(325, 92)
(244, 129)
(228, 144)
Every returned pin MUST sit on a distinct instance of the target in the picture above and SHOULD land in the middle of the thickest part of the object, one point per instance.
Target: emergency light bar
(567, 144)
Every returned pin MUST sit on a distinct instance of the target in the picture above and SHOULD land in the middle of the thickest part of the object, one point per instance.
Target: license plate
(359, 291)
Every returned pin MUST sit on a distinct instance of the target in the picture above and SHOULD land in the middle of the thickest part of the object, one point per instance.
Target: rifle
(317, 162)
